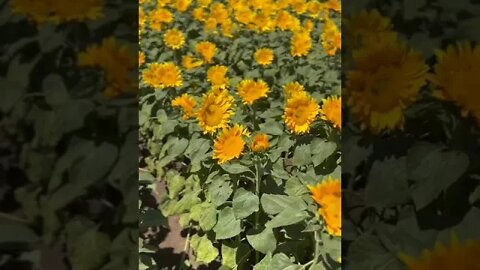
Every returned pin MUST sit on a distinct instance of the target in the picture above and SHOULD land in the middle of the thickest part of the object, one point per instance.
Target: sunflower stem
(316, 242)
(257, 191)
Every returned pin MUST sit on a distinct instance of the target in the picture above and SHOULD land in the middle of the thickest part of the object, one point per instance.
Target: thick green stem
(316, 242)
(258, 179)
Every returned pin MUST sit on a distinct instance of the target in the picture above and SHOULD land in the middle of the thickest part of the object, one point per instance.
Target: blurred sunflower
(229, 144)
(174, 39)
(216, 110)
(51, 11)
(141, 58)
(300, 111)
(199, 14)
(182, 5)
(456, 77)
(159, 17)
(328, 195)
(331, 111)
(187, 103)
(264, 56)
(260, 143)
(162, 75)
(251, 90)
(207, 50)
(386, 79)
(116, 61)
(292, 88)
(331, 38)
(189, 62)
(301, 43)
(458, 256)
(365, 24)
(216, 75)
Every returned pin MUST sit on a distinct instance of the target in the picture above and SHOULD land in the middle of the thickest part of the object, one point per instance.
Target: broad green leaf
(245, 203)
(55, 90)
(203, 248)
(153, 218)
(294, 187)
(302, 155)
(229, 256)
(219, 190)
(433, 169)
(272, 127)
(205, 214)
(264, 264)
(282, 261)
(264, 241)
(87, 250)
(15, 233)
(287, 217)
(321, 150)
(235, 168)
(387, 183)
(227, 225)
(274, 203)
(175, 184)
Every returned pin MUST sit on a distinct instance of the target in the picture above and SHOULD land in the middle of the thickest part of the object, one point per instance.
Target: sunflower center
(169, 76)
(233, 146)
(301, 115)
(214, 115)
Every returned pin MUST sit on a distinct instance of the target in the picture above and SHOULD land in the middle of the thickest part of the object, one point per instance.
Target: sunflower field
(239, 133)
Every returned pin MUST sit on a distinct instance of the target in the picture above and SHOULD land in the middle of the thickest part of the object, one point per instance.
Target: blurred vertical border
(411, 114)
(68, 134)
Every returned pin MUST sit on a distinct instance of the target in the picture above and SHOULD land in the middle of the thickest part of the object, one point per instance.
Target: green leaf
(87, 250)
(175, 184)
(387, 183)
(274, 203)
(229, 256)
(153, 218)
(203, 248)
(14, 233)
(219, 190)
(294, 187)
(368, 252)
(321, 150)
(264, 264)
(302, 155)
(433, 169)
(205, 214)
(282, 261)
(227, 225)
(235, 168)
(287, 217)
(272, 127)
(55, 90)
(145, 176)
(264, 241)
(245, 203)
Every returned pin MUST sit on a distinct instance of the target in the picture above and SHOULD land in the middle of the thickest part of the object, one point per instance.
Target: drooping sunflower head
(217, 76)
(216, 110)
(300, 111)
(264, 56)
(174, 39)
(457, 255)
(300, 44)
(207, 50)
(331, 111)
(187, 103)
(189, 62)
(229, 144)
(386, 79)
(162, 75)
(292, 88)
(252, 90)
(260, 143)
(456, 76)
(327, 187)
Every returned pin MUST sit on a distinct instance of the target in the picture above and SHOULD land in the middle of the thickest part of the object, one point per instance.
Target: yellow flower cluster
(328, 195)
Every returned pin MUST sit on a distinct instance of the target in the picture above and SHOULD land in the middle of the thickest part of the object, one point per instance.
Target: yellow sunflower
(365, 24)
(328, 195)
(386, 79)
(216, 110)
(141, 58)
(301, 43)
(456, 77)
(159, 17)
(251, 90)
(51, 11)
(331, 111)
(260, 143)
(331, 38)
(187, 103)
(174, 39)
(199, 14)
(189, 62)
(207, 50)
(292, 88)
(457, 255)
(217, 76)
(162, 75)
(229, 144)
(116, 61)
(264, 56)
(300, 111)
(182, 5)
